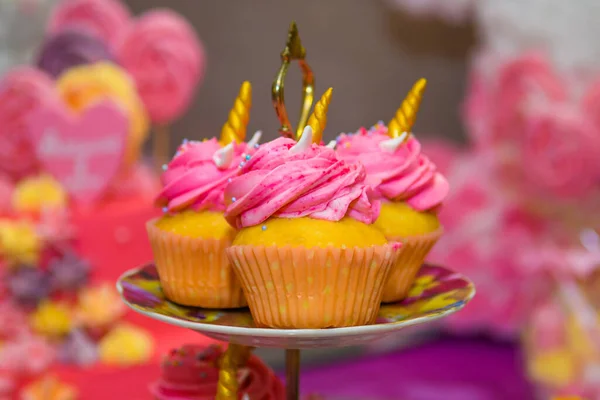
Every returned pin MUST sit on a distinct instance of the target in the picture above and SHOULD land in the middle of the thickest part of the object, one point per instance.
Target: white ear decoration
(224, 156)
(304, 142)
(331, 144)
(392, 144)
(255, 139)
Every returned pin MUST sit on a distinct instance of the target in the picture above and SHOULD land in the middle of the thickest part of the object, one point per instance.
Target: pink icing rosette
(277, 182)
(192, 179)
(403, 174)
(106, 19)
(166, 59)
(22, 91)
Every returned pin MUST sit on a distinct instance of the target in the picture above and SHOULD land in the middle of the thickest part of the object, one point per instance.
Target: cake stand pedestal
(437, 292)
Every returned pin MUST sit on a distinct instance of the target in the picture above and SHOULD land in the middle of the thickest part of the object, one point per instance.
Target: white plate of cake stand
(437, 292)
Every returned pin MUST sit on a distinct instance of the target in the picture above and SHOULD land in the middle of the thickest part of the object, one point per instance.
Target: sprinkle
(185, 141)
(242, 164)
(165, 167)
(248, 156)
(228, 179)
(264, 227)
(256, 146)
(233, 199)
(165, 209)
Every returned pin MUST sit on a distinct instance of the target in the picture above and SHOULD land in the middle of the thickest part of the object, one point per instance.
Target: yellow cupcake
(314, 267)
(189, 242)
(400, 172)
(84, 85)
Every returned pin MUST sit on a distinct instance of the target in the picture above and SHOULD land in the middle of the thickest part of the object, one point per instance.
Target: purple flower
(28, 285)
(68, 272)
(70, 48)
(78, 349)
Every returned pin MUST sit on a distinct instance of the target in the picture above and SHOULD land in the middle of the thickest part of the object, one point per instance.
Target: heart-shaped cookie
(82, 151)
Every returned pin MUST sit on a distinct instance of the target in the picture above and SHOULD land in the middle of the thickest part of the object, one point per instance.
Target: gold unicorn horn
(235, 357)
(318, 119)
(234, 130)
(406, 115)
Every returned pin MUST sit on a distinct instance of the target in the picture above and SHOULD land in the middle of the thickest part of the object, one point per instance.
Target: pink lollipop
(106, 19)
(22, 91)
(166, 59)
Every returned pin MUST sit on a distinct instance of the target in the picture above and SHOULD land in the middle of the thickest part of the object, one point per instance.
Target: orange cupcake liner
(404, 271)
(195, 271)
(303, 288)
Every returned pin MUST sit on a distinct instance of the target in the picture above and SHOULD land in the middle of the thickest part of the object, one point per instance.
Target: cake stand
(436, 293)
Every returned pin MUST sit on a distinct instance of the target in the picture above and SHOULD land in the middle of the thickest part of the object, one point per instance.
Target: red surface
(113, 236)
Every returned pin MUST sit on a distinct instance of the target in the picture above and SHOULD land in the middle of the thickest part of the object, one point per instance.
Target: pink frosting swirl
(166, 59)
(316, 183)
(193, 180)
(22, 91)
(106, 19)
(403, 175)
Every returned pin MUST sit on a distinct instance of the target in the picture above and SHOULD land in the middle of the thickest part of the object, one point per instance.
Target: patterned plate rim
(297, 333)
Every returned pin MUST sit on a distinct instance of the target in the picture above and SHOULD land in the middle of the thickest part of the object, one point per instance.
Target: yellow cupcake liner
(404, 271)
(303, 288)
(195, 271)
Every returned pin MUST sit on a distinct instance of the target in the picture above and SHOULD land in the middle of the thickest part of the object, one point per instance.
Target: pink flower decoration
(559, 152)
(106, 19)
(26, 355)
(14, 321)
(520, 83)
(484, 236)
(166, 59)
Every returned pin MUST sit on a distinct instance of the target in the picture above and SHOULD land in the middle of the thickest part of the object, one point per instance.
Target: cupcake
(408, 184)
(306, 252)
(189, 241)
(192, 373)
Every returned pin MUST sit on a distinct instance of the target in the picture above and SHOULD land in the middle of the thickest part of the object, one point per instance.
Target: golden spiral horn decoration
(406, 115)
(234, 130)
(318, 119)
(235, 357)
